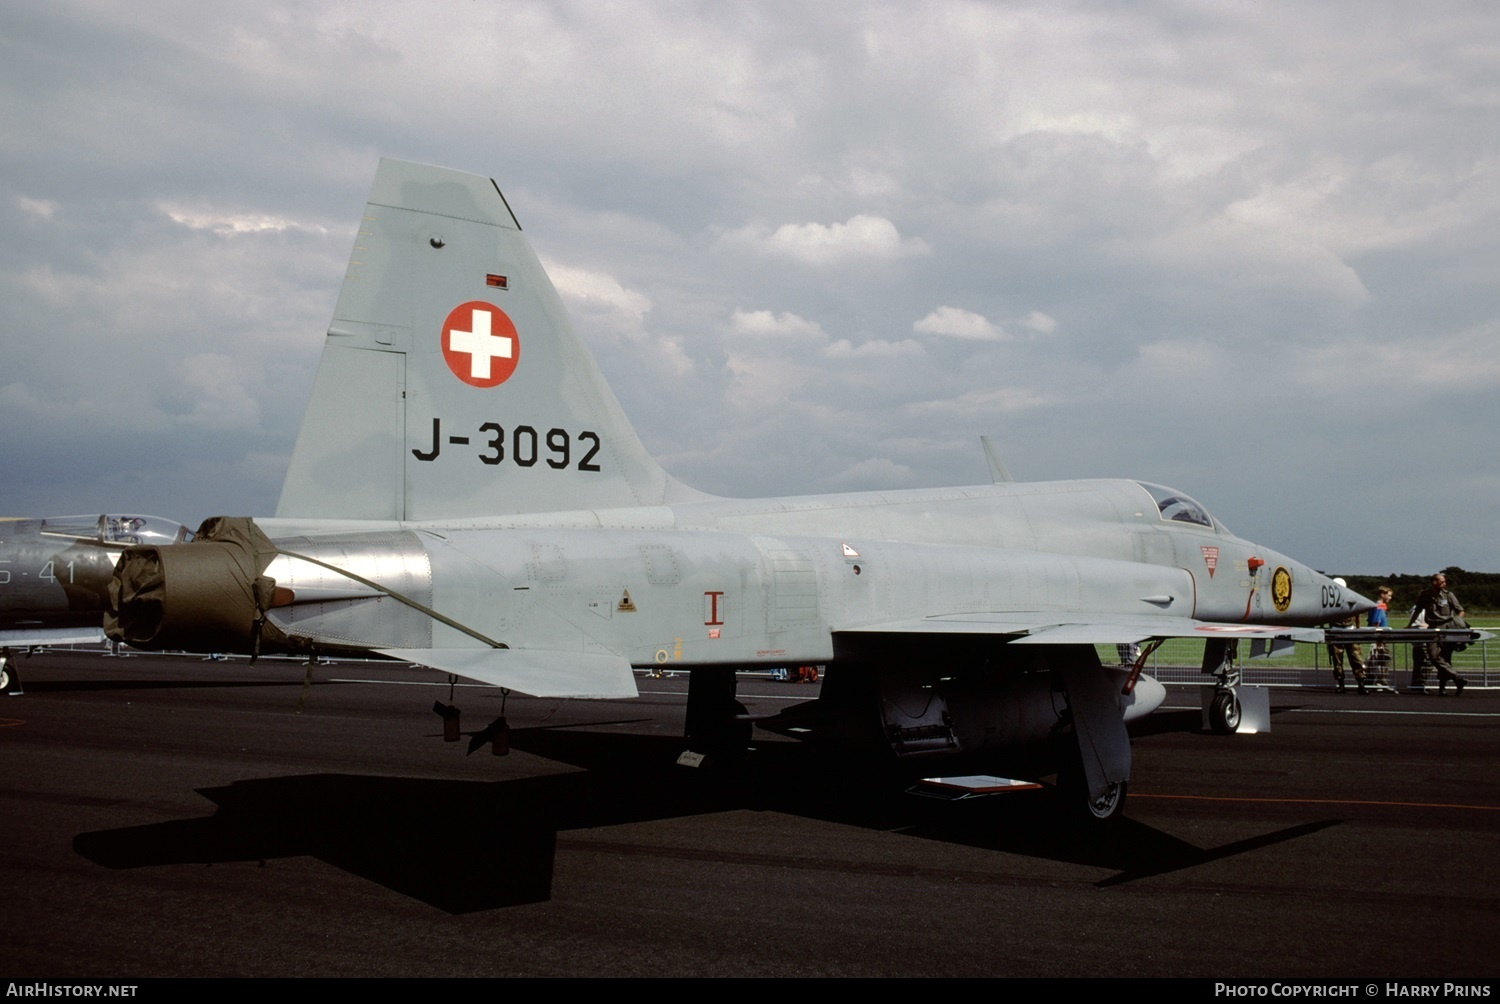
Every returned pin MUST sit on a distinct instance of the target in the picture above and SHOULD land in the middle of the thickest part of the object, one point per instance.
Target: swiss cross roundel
(480, 344)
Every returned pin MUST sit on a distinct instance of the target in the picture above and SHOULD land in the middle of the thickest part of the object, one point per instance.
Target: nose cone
(1289, 592)
(1356, 602)
(1327, 600)
(1341, 600)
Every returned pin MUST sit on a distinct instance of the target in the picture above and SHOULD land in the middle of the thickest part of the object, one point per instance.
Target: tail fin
(452, 384)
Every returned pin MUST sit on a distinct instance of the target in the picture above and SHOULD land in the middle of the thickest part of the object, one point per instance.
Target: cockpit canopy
(1175, 507)
(121, 529)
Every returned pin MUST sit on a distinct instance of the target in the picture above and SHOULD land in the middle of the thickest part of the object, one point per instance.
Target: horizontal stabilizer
(530, 671)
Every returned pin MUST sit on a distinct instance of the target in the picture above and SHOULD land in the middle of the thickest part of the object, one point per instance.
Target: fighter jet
(55, 574)
(466, 494)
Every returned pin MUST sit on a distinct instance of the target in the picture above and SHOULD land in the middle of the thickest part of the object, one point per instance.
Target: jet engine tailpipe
(206, 595)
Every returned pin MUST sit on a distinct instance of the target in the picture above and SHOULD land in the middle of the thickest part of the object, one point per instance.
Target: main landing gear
(1096, 763)
(1079, 808)
(1108, 806)
(718, 726)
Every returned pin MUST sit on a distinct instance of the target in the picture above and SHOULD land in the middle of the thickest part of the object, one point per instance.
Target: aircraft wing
(1044, 629)
(540, 673)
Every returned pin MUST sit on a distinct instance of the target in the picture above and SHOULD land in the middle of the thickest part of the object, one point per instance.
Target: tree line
(1475, 590)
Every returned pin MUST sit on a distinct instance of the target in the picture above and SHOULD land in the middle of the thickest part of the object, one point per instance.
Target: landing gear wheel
(1108, 806)
(1080, 809)
(1224, 713)
(4, 676)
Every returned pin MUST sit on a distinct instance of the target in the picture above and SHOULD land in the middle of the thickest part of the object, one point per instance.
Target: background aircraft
(466, 494)
(55, 574)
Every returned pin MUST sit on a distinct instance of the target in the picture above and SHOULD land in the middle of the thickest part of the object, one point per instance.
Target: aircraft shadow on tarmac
(463, 846)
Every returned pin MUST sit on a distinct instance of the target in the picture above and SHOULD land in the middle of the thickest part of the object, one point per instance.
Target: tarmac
(166, 816)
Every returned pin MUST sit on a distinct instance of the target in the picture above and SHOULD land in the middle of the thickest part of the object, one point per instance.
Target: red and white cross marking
(480, 344)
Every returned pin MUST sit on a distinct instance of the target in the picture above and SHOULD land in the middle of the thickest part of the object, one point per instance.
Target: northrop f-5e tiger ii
(466, 494)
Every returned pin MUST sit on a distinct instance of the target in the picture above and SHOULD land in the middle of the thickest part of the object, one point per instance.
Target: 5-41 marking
(47, 573)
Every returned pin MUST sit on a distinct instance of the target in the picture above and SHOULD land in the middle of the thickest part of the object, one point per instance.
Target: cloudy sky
(1250, 250)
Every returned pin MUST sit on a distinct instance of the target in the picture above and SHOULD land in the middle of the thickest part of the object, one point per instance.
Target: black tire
(1078, 808)
(1108, 807)
(1224, 713)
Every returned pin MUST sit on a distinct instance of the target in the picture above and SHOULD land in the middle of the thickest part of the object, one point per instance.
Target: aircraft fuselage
(771, 581)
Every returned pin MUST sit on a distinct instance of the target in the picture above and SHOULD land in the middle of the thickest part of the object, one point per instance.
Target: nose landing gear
(1224, 713)
(1224, 710)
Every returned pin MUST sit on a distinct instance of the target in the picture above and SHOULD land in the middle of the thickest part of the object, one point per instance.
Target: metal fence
(1178, 661)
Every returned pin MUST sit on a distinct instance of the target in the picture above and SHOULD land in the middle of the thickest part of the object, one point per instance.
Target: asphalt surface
(172, 817)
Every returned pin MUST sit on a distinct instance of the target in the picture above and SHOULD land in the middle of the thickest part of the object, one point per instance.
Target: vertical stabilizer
(452, 384)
